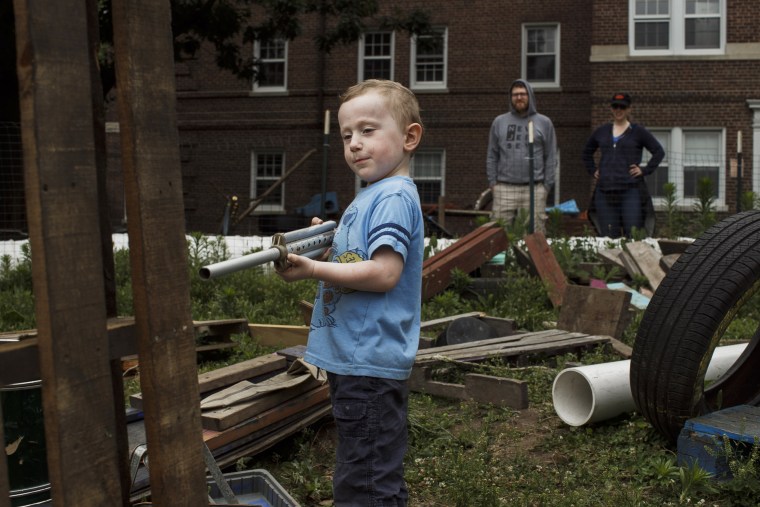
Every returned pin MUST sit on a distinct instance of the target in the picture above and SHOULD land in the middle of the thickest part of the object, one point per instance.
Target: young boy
(366, 320)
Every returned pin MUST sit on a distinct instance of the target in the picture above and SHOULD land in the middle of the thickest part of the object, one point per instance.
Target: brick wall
(221, 122)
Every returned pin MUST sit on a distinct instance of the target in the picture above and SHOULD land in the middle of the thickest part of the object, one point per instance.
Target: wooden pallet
(549, 342)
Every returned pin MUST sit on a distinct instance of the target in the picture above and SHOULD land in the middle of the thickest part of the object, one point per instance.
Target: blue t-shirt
(373, 334)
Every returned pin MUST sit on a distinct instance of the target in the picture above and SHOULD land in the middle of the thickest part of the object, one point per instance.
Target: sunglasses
(618, 106)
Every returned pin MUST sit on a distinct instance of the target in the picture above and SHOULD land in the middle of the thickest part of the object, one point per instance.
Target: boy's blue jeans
(370, 414)
(619, 208)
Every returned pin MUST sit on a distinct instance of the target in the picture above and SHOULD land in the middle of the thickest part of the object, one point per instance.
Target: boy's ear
(413, 136)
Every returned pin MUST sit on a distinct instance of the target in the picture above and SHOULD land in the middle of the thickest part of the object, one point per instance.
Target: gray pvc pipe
(596, 392)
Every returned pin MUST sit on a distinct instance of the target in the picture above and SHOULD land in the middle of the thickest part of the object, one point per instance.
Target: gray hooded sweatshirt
(507, 160)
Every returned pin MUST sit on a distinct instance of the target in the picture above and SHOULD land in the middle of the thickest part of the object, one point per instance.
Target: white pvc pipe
(596, 392)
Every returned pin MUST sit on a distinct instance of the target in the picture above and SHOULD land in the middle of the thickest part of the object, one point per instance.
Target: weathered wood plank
(611, 256)
(503, 392)
(467, 254)
(226, 417)
(648, 261)
(273, 335)
(18, 349)
(243, 370)
(58, 133)
(549, 348)
(547, 266)
(629, 264)
(448, 320)
(260, 441)
(215, 439)
(595, 311)
(158, 252)
(545, 342)
(490, 342)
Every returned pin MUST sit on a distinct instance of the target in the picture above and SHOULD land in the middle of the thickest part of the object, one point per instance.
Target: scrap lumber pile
(250, 406)
(632, 263)
(489, 338)
(639, 259)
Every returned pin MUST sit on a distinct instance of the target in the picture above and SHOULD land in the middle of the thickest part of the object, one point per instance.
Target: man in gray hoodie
(507, 165)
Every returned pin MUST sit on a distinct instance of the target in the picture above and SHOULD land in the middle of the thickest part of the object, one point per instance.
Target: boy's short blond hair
(402, 102)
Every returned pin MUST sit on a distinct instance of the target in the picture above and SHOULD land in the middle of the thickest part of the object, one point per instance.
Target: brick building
(690, 65)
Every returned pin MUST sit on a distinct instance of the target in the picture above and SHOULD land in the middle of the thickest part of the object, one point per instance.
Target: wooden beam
(279, 335)
(466, 254)
(499, 391)
(547, 266)
(158, 251)
(18, 350)
(648, 261)
(5, 488)
(595, 311)
(58, 132)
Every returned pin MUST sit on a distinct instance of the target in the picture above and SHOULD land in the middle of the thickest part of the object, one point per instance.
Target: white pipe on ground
(596, 392)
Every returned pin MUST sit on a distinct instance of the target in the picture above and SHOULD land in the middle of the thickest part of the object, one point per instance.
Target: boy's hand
(299, 268)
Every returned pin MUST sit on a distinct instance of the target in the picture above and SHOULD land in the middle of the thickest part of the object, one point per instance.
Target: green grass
(461, 453)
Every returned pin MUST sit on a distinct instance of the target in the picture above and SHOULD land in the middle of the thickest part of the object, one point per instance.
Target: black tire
(685, 321)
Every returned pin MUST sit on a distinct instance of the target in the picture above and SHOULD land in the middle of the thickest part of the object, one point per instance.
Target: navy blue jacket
(616, 158)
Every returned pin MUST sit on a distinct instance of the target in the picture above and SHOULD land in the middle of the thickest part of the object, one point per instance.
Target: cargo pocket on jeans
(351, 421)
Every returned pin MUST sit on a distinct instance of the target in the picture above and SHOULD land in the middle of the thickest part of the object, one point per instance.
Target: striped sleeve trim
(394, 230)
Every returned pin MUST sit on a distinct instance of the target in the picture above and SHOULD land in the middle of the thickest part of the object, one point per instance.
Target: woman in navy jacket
(621, 199)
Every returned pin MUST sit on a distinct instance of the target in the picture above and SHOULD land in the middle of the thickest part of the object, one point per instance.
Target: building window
(376, 56)
(540, 55)
(692, 157)
(661, 27)
(428, 60)
(702, 161)
(267, 167)
(427, 171)
(271, 61)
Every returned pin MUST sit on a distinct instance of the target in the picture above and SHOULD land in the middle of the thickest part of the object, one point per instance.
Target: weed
(750, 200)
(705, 207)
(460, 453)
(694, 480)
(674, 220)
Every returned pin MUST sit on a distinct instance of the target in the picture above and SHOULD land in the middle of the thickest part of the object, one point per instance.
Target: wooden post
(442, 210)
(5, 490)
(547, 266)
(58, 133)
(158, 251)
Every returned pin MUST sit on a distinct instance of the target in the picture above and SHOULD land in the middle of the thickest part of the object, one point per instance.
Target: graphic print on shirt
(331, 294)
(511, 132)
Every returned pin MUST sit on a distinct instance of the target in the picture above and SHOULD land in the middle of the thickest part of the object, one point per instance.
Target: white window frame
(264, 208)
(556, 52)
(441, 154)
(676, 159)
(677, 30)
(257, 87)
(429, 85)
(363, 56)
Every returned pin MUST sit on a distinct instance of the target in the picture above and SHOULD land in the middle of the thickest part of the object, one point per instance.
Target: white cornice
(620, 53)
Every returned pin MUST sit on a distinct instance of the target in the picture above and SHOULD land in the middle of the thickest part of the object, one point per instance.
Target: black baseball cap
(621, 99)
